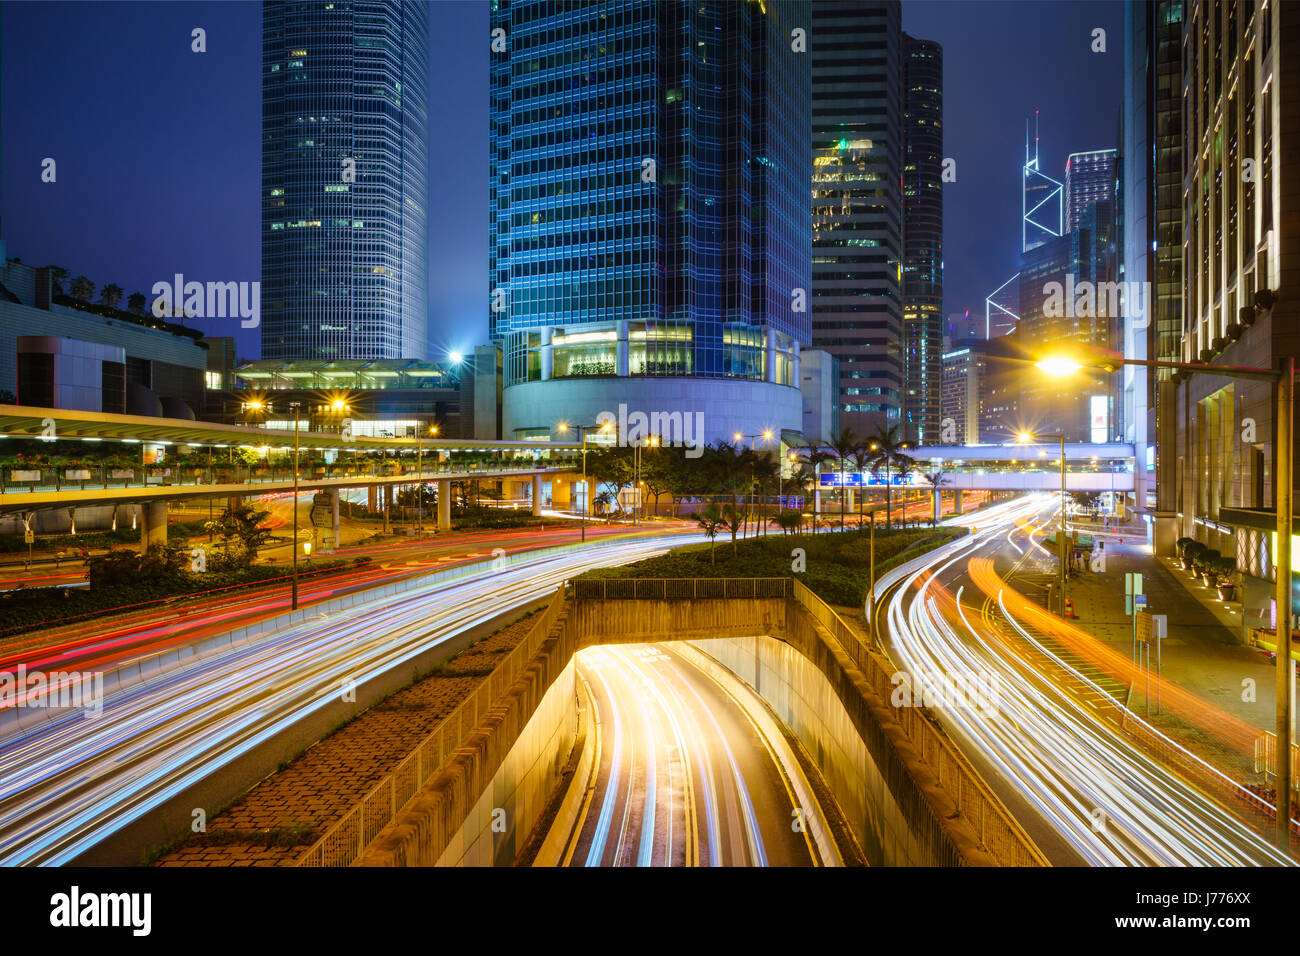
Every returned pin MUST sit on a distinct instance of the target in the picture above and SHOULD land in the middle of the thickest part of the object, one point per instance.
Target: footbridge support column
(444, 504)
(334, 516)
(153, 524)
(537, 495)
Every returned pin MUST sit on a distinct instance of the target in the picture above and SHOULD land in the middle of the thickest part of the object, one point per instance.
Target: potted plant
(1181, 547)
(1224, 568)
(1191, 552)
(1206, 562)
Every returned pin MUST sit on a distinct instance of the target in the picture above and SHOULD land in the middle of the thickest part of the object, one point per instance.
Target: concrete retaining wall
(901, 814)
(520, 789)
(450, 812)
(807, 703)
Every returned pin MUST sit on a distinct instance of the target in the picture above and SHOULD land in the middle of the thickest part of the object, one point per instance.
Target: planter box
(76, 474)
(24, 476)
(127, 474)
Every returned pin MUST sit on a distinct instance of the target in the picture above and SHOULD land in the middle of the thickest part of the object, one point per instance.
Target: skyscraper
(1089, 177)
(923, 237)
(344, 180)
(1240, 251)
(649, 220)
(1152, 248)
(857, 204)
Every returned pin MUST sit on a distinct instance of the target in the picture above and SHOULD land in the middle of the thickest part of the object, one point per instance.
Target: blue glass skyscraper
(649, 220)
(344, 180)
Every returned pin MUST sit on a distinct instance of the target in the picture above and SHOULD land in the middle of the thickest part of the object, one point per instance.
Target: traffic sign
(29, 536)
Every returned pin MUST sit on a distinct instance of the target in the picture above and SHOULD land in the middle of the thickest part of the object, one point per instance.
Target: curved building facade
(649, 223)
(344, 180)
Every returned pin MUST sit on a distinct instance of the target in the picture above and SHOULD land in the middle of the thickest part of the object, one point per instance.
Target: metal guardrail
(347, 839)
(998, 831)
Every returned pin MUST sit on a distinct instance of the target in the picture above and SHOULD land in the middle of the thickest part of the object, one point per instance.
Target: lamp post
(1027, 438)
(1284, 379)
(766, 435)
(637, 502)
(295, 406)
(582, 437)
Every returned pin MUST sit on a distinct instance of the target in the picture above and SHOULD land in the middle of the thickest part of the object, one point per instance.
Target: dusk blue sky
(158, 148)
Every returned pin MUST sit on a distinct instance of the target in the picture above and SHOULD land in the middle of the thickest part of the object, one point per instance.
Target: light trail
(1110, 801)
(676, 732)
(69, 782)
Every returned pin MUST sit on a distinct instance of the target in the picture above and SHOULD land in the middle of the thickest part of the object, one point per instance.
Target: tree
(611, 467)
(710, 519)
(844, 447)
(58, 280)
(136, 303)
(789, 520)
(732, 519)
(83, 289)
(244, 523)
(814, 458)
(888, 451)
(111, 295)
(937, 479)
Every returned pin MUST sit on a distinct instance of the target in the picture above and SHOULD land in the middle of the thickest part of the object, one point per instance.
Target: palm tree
(733, 519)
(863, 455)
(83, 289)
(710, 519)
(814, 457)
(58, 279)
(844, 447)
(888, 451)
(936, 478)
(111, 295)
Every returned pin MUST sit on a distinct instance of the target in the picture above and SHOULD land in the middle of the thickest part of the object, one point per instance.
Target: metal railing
(998, 832)
(347, 838)
(1266, 758)
(47, 478)
(678, 589)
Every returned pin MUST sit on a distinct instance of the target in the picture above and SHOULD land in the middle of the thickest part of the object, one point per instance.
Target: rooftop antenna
(1035, 138)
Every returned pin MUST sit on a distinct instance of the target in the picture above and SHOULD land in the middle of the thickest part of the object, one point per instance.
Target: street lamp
(1026, 438)
(651, 441)
(1284, 378)
(766, 435)
(295, 406)
(582, 437)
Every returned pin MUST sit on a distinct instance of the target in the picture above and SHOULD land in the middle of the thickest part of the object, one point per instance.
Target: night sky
(158, 148)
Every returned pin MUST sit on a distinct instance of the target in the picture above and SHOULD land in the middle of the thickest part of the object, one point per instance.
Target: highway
(67, 783)
(1085, 791)
(684, 778)
(111, 639)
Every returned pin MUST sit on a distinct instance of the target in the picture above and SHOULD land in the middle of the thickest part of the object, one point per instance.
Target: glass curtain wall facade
(648, 213)
(857, 205)
(922, 238)
(344, 180)
(1089, 178)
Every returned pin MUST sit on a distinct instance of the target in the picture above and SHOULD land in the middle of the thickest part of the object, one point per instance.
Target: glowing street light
(604, 428)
